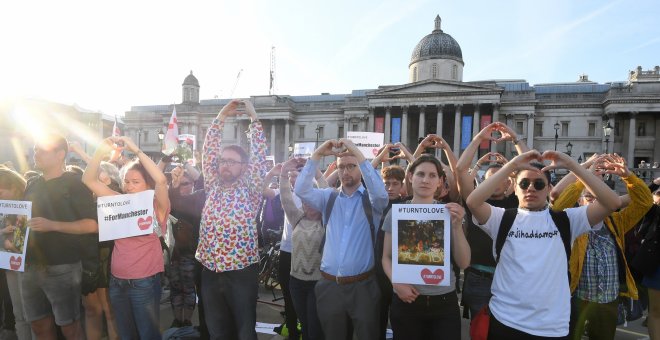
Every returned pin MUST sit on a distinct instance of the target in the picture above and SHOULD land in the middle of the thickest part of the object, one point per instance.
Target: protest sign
(122, 216)
(14, 216)
(303, 150)
(368, 142)
(420, 244)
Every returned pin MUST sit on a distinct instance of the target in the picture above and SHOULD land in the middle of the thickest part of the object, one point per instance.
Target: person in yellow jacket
(598, 270)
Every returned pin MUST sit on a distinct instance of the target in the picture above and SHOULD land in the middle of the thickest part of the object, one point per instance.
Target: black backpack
(560, 218)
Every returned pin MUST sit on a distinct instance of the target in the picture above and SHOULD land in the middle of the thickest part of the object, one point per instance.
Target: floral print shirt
(228, 231)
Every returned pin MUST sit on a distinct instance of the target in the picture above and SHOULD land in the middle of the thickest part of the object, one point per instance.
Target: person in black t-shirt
(62, 207)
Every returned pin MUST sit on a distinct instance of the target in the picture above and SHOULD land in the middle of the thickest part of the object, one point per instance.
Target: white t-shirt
(530, 287)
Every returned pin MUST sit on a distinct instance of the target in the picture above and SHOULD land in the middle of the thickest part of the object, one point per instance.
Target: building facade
(569, 117)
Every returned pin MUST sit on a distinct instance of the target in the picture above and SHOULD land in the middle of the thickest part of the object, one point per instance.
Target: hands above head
(434, 141)
(292, 164)
(491, 157)
(276, 170)
(238, 107)
(128, 144)
(612, 164)
(507, 134)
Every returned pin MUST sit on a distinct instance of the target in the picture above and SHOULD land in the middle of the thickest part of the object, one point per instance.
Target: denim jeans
(304, 300)
(230, 303)
(136, 305)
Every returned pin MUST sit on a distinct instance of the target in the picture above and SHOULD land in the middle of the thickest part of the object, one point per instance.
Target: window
(320, 132)
(538, 129)
(145, 133)
(454, 72)
(355, 128)
(301, 131)
(641, 129)
(414, 74)
(592, 129)
(341, 132)
(519, 127)
(564, 129)
(434, 71)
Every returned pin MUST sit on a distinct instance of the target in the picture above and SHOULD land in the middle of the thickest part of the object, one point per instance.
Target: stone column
(272, 137)
(370, 120)
(404, 125)
(508, 119)
(632, 135)
(496, 117)
(421, 132)
(530, 130)
(476, 127)
(388, 126)
(438, 127)
(457, 131)
(287, 139)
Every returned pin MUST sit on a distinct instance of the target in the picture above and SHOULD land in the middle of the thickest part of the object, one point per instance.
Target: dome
(437, 45)
(190, 80)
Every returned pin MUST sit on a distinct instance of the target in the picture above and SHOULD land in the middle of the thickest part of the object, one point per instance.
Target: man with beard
(61, 206)
(228, 232)
(348, 288)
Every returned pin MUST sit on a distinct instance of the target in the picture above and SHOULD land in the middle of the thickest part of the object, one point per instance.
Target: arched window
(414, 74)
(454, 72)
(434, 71)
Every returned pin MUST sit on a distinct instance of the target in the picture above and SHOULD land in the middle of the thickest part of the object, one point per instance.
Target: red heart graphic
(144, 223)
(432, 278)
(15, 262)
(375, 151)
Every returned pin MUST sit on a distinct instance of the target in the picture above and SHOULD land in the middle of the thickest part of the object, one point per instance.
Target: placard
(368, 142)
(303, 150)
(14, 216)
(421, 244)
(122, 216)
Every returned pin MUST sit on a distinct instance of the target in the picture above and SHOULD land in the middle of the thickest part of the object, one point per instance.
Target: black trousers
(499, 331)
(428, 317)
(283, 275)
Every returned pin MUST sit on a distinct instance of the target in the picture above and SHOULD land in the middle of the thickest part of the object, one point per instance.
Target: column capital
(458, 107)
(634, 114)
(404, 108)
(439, 106)
(496, 105)
(422, 108)
(530, 115)
(388, 109)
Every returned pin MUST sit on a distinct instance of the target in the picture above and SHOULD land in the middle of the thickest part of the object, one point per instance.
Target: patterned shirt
(228, 232)
(599, 281)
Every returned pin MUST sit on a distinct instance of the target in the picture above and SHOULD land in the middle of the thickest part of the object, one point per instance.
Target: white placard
(420, 244)
(122, 216)
(303, 150)
(189, 141)
(368, 142)
(14, 216)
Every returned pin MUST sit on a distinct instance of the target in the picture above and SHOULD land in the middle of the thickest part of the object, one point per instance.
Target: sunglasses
(538, 183)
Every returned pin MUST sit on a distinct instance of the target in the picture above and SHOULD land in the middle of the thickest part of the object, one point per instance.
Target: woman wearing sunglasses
(531, 296)
(421, 311)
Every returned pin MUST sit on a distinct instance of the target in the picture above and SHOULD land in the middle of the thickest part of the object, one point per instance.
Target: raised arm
(275, 171)
(509, 135)
(373, 182)
(257, 168)
(304, 187)
(465, 183)
(639, 194)
(91, 175)
(460, 248)
(293, 213)
(78, 150)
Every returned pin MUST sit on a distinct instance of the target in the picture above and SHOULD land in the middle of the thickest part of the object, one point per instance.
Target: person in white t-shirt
(531, 297)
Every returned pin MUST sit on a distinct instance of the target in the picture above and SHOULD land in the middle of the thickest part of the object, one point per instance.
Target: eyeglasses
(228, 162)
(589, 198)
(185, 183)
(347, 167)
(539, 184)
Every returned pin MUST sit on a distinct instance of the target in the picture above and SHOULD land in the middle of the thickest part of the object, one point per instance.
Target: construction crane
(238, 76)
(271, 91)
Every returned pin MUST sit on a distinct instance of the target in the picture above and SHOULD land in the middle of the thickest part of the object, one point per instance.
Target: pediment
(435, 86)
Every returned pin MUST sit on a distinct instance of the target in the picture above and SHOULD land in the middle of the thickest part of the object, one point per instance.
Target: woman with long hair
(426, 311)
(137, 262)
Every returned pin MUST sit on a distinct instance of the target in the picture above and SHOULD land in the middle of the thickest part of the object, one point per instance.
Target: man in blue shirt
(348, 288)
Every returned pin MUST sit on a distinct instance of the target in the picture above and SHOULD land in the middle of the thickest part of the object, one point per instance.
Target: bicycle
(269, 262)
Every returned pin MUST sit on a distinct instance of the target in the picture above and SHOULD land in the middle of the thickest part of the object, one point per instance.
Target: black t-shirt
(62, 199)
(481, 245)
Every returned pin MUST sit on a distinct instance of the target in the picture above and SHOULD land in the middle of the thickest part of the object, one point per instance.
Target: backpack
(366, 206)
(560, 218)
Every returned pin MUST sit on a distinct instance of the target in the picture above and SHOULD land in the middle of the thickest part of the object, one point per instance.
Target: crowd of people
(539, 259)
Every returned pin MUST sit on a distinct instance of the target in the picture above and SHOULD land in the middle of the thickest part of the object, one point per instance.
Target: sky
(111, 55)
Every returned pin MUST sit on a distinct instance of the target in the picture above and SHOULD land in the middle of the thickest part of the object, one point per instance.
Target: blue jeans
(304, 301)
(136, 305)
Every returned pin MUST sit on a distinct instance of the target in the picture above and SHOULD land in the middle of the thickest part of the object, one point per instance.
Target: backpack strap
(505, 226)
(369, 212)
(326, 217)
(560, 218)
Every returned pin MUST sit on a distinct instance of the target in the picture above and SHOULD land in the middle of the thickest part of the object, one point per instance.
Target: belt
(479, 272)
(343, 280)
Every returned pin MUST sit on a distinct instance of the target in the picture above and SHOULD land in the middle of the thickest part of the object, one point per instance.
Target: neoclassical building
(436, 99)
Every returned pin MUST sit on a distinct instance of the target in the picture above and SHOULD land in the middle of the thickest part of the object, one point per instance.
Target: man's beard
(228, 177)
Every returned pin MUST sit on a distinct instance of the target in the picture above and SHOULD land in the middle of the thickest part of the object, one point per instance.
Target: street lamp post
(139, 133)
(290, 150)
(569, 148)
(318, 132)
(556, 134)
(161, 136)
(607, 130)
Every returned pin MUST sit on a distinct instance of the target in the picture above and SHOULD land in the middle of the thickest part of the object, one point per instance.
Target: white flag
(171, 137)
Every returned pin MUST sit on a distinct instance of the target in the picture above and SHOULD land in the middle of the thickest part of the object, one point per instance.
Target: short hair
(10, 179)
(112, 171)
(245, 158)
(55, 139)
(137, 166)
(494, 166)
(427, 158)
(540, 167)
(393, 172)
(74, 168)
(29, 174)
